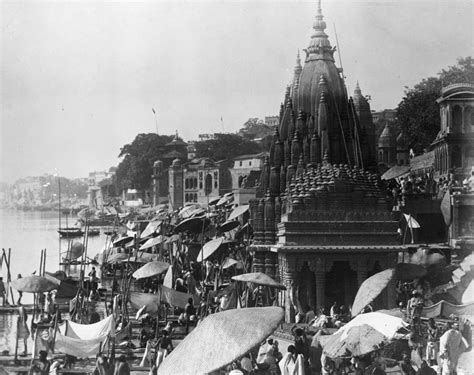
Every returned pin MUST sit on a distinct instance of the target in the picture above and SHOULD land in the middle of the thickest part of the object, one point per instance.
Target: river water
(26, 233)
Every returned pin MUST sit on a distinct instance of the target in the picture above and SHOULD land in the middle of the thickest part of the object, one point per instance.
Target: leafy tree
(418, 112)
(226, 146)
(136, 168)
(255, 128)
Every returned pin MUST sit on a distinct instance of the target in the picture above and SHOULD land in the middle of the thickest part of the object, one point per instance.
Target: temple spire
(319, 47)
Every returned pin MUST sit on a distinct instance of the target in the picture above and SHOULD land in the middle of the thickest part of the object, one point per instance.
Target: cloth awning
(396, 171)
(83, 340)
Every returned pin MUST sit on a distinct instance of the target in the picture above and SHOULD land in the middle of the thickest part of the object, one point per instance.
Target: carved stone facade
(319, 217)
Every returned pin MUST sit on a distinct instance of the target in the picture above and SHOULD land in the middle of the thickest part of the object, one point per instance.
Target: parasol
(173, 238)
(228, 226)
(229, 262)
(396, 171)
(408, 271)
(141, 257)
(77, 249)
(121, 240)
(194, 225)
(246, 231)
(153, 242)
(117, 258)
(222, 338)
(370, 289)
(151, 269)
(187, 211)
(214, 201)
(209, 248)
(227, 198)
(237, 211)
(35, 284)
(356, 341)
(260, 279)
(151, 228)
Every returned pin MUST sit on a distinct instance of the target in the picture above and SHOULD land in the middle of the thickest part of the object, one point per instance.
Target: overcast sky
(78, 79)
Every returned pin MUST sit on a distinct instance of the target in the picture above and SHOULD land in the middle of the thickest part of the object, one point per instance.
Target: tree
(226, 146)
(418, 112)
(136, 168)
(255, 128)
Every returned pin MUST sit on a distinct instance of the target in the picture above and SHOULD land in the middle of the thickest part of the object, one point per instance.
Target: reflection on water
(8, 334)
(26, 233)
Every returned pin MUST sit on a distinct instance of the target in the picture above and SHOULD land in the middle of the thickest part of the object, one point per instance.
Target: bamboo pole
(9, 275)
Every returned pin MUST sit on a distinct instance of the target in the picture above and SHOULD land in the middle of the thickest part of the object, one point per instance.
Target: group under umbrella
(222, 338)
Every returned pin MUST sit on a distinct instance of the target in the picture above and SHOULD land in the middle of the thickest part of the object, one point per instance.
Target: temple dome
(319, 62)
(385, 139)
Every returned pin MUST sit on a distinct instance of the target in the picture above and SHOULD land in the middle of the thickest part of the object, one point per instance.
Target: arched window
(468, 118)
(456, 161)
(208, 184)
(195, 183)
(186, 183)
(195, 197)
(186, 197)
(457, 118)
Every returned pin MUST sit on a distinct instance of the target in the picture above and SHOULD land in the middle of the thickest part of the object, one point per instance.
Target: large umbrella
(209, 248)
(153, 242)
(222, 338)
(173, 238)
(117, 258)
(259, 279)
(396, 171)
(194, 225)
(357, 341)
(121, 240)
(237, 211)
(141, 257)
(227, 198)
(228, 226)
(76, 251)
(151, 269)
(188, 211)
(229, 262)
(35, 284)
(151, 228)
(370, 289)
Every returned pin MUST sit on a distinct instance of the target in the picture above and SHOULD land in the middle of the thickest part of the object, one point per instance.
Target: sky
(78, 79)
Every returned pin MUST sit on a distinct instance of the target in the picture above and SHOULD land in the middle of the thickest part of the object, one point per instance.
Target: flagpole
(156, 121)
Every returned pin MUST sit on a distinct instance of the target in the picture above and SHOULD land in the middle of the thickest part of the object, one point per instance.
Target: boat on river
(70, 232)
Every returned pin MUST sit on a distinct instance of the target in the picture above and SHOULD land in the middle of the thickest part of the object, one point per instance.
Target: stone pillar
(320, 276)
(259, 261)
(270, 264)
(361, 270)
(289, 280)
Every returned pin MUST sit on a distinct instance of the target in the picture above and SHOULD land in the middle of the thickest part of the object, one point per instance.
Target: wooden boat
(70, 232)
(93, 232)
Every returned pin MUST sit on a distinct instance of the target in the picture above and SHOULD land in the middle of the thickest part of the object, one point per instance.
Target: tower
(160, 183)
(386, 148)
(402, 149)
(176, 188)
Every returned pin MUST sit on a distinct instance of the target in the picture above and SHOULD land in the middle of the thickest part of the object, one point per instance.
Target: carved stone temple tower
(321, 222)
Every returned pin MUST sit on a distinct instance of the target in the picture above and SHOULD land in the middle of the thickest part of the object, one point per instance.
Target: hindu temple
(322, 223)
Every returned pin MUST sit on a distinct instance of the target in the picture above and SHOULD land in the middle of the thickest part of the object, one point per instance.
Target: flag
(153, 109)
(168, 281)
(412, 223)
